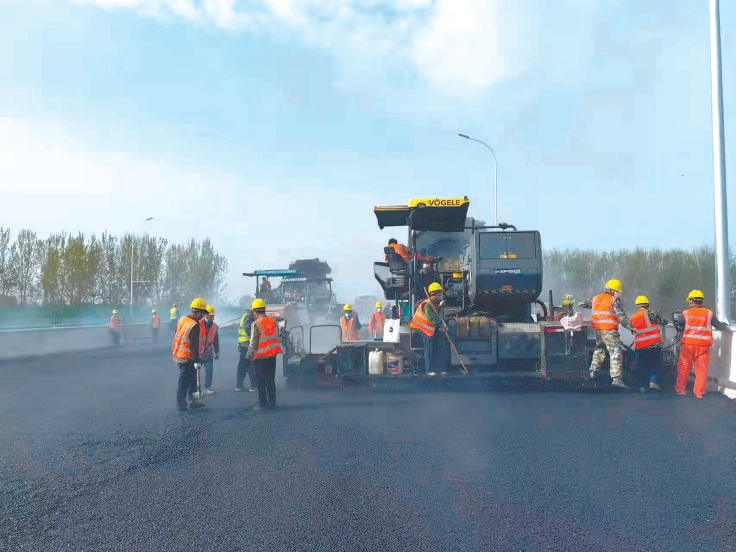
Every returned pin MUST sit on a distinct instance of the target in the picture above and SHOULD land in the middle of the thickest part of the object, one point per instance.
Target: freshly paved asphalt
(97, 458)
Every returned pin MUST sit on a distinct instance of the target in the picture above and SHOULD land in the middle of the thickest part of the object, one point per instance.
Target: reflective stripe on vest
(649, 334)
(349, 333)
(603, 316)
(268, 338)
(181, 349)
(420, 321)
(698, 329)
(155, 322)
(244, 329)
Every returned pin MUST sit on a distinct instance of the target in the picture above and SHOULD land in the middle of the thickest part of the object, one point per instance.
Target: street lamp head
(461, 135)
(149, 218)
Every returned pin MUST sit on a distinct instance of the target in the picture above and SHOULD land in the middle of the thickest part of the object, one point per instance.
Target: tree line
(75, 270)
(665, 277)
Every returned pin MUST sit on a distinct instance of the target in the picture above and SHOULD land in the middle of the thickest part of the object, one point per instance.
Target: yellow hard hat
(566, 303)
(347, 307)
(258, 304)
(114, 311)
(199, 304)
(210, 310)
(642, 300)
(614, 284)
(153, 311)
(695, 294)
(434, 287)
(379, 305)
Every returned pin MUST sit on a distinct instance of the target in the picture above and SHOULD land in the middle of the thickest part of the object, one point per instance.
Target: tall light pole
(495, 174)
(132, 258)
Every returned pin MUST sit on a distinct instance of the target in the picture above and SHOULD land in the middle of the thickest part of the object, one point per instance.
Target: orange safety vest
(181, 349)
(420, 321)
(402, 250)
(349, 333)
(376, 323)
(207, 339)
(155, 322)
(603, 316)
(268, 338)
(114, 322)
(698, 329)
(649, 334)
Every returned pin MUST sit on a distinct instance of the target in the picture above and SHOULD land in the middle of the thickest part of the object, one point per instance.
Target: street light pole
(132, 258)
(495, 173)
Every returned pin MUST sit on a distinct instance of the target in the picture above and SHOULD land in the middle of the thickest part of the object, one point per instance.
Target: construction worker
(155, 325)
(697, 339)
(185, 350)
(115, 327)
(350, 324)
(377, 322)
(173, 318)
(262, 351)
(245, 365)
(400, 249)
(647, 345)
(566, 308)
(427, 320)
(209, 347)
(605, 319)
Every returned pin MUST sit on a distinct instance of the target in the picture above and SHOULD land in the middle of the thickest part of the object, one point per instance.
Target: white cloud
(460, 47)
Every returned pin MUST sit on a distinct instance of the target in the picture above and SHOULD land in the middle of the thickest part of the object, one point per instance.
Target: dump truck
(497, 327)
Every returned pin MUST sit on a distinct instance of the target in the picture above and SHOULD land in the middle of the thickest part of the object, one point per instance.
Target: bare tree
(26, 259)
(6, 274)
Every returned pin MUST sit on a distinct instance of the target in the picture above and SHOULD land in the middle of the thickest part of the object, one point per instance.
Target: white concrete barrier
(722, 370)
(36, 342)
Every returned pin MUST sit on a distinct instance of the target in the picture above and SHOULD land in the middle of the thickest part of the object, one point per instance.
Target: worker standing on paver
(349, 324)
(427, 320)
(377, 322)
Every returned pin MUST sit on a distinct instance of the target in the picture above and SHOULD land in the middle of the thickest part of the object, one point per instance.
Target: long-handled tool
(443, 329)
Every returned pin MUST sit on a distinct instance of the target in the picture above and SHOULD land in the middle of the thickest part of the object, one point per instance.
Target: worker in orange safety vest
(647, 345)
(426, 320)
(697, 339)
(350, 324)
(185, 350)
(377, 322)
(263, 349)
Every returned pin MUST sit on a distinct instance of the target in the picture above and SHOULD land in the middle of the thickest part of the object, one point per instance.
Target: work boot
(196, 404)
(618, 382)
(654, 386)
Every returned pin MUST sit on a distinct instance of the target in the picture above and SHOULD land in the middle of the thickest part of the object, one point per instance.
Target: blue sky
(274, 126)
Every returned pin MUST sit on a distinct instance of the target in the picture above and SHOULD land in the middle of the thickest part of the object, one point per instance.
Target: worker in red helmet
(697, 339)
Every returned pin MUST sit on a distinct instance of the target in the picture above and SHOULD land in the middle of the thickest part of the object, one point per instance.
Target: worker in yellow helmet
(647, 345)
(427, 319)
(185, 350)
(377, 322)
(263, 349)
(349, 323)
(697, 339)
(209, 347)
(607, 316)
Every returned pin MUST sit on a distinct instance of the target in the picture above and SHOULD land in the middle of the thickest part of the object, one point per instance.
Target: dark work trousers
(115, 337)
(648, 362)
(154, 334)
(245, 366)
(435, 353)
(187, 383)
(266, 374)
(208, 366)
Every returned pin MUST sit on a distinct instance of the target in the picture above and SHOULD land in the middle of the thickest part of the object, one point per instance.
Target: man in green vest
(173, 318)
(244, 365)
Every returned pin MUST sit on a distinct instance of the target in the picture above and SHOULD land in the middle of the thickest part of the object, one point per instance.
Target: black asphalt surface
(97, 458)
